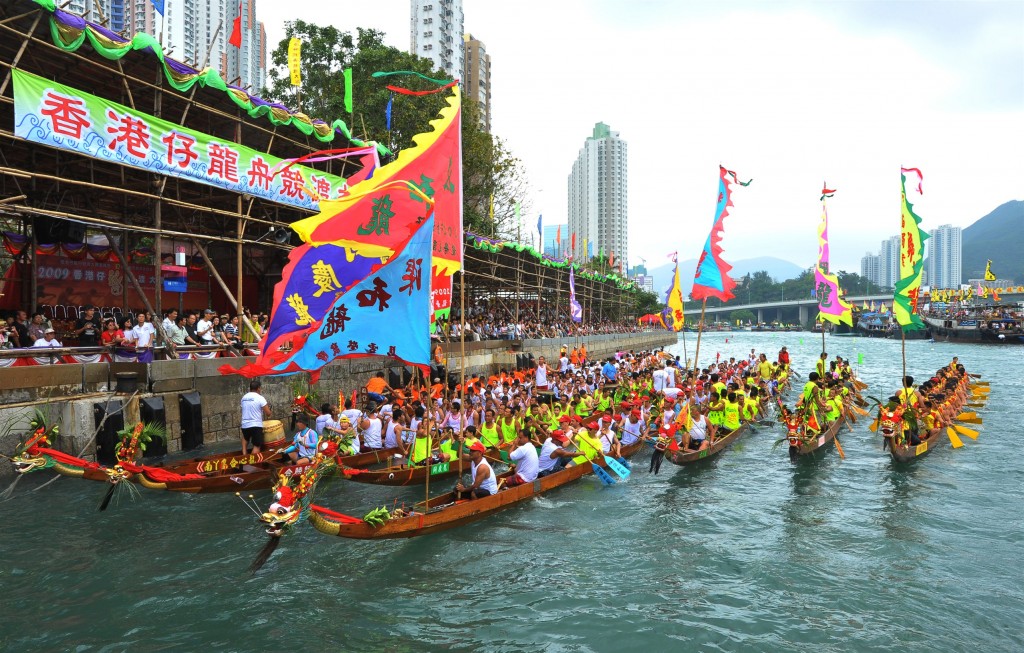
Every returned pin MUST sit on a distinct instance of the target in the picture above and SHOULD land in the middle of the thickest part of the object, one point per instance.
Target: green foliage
(377, 516)
(489, 168)
(742, 316)
(647, 302)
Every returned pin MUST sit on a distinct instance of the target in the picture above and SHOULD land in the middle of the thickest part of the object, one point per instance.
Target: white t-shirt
(672, 392)
(527, 464)
(42, 343)
(203, 325)
(630, 432)
(143, 335)
(321, 422)
(699, 428)
(353, 415)
(545, 461)
(252, 409)
(371, 436)
(563, 364)
(658, 376)
(542, 375)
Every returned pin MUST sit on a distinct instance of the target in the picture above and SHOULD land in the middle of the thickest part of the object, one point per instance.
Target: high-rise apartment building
(476, 77)
(889, 262)
(869, 268)
(598, 196)
(944, 258)
(188, 28)
(550, 244)
(435, 33)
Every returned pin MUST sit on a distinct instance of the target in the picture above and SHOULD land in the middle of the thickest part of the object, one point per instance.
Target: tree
(489, 168)
(647, 302)
(742, 315)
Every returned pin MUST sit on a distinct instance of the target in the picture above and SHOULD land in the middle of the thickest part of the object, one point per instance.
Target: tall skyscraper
(869, 268)
(435, 33)
(944, 258)
(889, 262)
(597, 195)
(187, 29)
(476, 77)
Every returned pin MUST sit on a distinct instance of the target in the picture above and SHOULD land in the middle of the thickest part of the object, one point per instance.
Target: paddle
(953, 438)
(972, 420)
(963, 430)
(873, 427)
(839, 448)
(603, 476)
(963, 416)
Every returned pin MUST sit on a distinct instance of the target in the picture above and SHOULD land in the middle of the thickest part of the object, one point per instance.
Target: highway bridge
(790, 310)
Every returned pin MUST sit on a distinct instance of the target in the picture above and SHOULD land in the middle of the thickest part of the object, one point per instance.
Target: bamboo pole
(220, 282)
(700, 332)
(462, 359)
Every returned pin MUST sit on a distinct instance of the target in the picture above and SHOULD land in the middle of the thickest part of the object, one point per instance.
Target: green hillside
(998, 236)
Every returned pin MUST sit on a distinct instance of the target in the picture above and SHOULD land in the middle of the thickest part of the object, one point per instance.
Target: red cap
(477, 446)
(564, 419)
(560, 436)
(669, 400)
(635, 413)
(618, 418)
(625, 404)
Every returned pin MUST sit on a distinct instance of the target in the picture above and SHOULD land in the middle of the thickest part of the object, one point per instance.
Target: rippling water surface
(746, 553)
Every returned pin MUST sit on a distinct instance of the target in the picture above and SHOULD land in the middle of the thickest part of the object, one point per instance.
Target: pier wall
(72, 393)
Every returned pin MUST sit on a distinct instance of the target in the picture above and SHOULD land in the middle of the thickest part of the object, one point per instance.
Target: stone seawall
(76, 394)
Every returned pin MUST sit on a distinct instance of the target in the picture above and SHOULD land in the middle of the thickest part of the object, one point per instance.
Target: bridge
(803, 309)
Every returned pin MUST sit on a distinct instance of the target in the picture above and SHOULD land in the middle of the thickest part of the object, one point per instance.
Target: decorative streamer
(387, 112)
(575, 310)
(348, 90)
(412, 73)
(406, 91)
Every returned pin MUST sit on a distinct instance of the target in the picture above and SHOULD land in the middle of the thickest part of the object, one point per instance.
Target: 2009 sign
(54, 273)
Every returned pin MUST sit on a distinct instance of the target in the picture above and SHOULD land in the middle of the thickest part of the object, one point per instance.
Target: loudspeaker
(151, 410)
(281, 235)
(106, 437)
(190, 405)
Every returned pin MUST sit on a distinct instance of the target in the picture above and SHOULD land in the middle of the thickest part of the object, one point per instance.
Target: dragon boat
(891, 422)
(688, 457)
(439, 513)
(225, 472)
(802, 443)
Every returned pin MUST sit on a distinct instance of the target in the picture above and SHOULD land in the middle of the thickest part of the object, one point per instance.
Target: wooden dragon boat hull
(820, 442)
(689, 457)
(908, 452)
(448, 513)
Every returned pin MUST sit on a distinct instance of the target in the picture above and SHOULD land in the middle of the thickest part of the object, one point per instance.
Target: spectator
(231, 331)
(128, 333)
(204, 328)
(111, 336)
(170, 321)
(191, 333)
(36, 328)
(87, 328)
(49, 339)
(20, 334)
(219, 337)
(143, 332)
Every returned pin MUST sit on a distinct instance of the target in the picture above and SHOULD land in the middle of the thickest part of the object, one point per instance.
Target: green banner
(63, 117)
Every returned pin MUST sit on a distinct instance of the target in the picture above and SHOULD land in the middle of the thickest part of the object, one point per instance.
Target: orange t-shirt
(375, 385)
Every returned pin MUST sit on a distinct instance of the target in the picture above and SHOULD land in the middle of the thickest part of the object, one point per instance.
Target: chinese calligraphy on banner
(64, 117)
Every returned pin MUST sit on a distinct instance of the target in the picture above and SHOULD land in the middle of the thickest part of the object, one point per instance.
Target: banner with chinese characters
(370, 221)
(63, 117)
(831, 305)
(387, 313)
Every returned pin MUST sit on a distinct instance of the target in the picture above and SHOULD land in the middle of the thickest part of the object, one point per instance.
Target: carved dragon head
(290, 497)
(890, 421)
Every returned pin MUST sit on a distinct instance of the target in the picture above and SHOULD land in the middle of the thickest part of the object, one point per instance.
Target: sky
(789, 94)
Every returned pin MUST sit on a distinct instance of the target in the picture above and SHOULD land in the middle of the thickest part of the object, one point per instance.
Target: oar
(963, 430)
(108, 496)
(873, 427)
(963, 416)
(953, 438)
(621, 470)
(974, 376)
(839, 448)
(973, 420)
(604, 476)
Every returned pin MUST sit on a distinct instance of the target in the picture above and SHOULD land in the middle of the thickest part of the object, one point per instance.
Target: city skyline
(598, 195)
(955, 69)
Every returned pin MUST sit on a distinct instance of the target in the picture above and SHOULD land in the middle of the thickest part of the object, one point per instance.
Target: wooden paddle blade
(980, 383)
(839, 448)
(953, 438)
(973, 420)
(966, 416)
(873, 427)
(963, 430)
(860, 411)
(970, 405)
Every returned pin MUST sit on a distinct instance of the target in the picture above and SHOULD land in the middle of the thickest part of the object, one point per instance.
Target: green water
(747, 553)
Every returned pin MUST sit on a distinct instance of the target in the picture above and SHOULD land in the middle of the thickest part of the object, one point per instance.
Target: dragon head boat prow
(290, 503)
(890, 421)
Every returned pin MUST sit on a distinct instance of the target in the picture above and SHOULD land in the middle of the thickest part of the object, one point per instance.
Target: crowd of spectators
(490, 321)
(134, 332)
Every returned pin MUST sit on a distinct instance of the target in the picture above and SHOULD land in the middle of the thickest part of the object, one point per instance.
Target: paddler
(553, 455)
(484, 482)
(303, 446)
(524, 460)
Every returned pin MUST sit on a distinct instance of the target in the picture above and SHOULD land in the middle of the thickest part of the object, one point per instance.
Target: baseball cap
(559, 435)
(635, 413)
(50, 330)
(477, 446)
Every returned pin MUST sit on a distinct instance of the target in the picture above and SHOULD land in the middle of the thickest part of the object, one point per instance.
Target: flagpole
(700, 332)
(462, 359)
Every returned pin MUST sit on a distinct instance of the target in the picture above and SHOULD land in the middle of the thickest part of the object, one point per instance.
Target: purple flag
(575, 310)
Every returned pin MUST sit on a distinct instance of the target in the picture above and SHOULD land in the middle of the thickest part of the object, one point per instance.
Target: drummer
(254, 411)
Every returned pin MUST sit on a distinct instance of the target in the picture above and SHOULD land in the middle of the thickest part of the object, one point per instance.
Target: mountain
(998, 236)
(777, 268)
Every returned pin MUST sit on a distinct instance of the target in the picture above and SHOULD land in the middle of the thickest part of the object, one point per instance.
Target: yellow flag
(989, 275)
(295, 61)
(675, 303)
